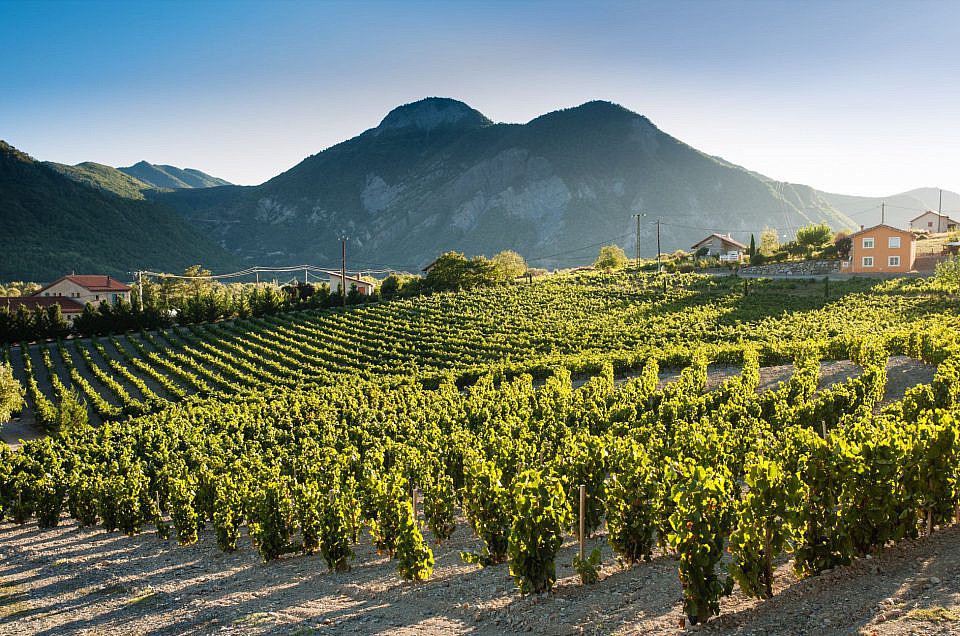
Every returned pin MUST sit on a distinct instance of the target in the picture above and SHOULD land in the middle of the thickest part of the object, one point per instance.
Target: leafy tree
(509, 264)
(611, 257)
(11, 393)
(452, 271)
(814, 237)
(843, 243)
(769, 242)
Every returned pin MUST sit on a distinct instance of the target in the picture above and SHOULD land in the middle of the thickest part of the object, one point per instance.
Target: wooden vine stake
(583, 519)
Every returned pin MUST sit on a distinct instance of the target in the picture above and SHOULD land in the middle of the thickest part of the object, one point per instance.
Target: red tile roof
(67, 305)
(92, 282)
(726, 239)
(883, 225)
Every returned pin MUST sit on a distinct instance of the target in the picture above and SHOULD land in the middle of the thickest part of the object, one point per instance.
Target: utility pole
(343, 269)
(637, 216)
(658, 246)
(940, 212)
(140, 289)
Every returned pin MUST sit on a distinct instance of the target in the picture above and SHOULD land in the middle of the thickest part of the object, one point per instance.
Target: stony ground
(70, 580)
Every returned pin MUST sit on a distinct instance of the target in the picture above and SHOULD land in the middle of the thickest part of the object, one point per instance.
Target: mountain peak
(432, 113)
(6, 150)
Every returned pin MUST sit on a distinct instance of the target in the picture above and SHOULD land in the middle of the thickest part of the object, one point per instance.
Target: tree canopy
(611, 257)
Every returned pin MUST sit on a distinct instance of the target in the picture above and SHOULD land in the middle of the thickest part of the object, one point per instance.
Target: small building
(430, 266)
(721, 246)
(881, 249)
(363, 286)
(86, 288)
(933, 222)
(69, 307)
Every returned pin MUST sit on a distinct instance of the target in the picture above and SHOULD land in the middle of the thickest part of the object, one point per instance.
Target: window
(929, 223)
(893, 242)
(893, 261)
(868, 244)
(868, 261)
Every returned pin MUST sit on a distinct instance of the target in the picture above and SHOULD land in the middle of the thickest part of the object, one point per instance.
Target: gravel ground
(71, 580)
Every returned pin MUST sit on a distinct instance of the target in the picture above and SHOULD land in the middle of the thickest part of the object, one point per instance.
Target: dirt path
(70, 580)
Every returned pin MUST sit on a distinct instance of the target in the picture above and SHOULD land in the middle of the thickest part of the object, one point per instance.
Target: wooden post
(823, 427)
(768, 563)
(583, 519)
(745, 288)
(929, 521)
(826, 287)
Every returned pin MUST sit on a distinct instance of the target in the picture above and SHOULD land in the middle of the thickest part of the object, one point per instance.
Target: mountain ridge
(563, 180)
(53, 224)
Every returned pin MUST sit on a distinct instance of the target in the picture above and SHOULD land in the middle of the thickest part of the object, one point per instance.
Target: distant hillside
(51, 224)
(437, 175)
(107, 178)
(171, 177)
(900, 208)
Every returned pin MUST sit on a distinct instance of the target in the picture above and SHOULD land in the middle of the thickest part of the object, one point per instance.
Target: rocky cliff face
(438, 175)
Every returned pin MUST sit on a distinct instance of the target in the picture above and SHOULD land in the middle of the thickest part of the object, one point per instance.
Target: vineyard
(402, 425)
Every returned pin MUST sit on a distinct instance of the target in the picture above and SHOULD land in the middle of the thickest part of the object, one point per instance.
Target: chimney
(861, 228)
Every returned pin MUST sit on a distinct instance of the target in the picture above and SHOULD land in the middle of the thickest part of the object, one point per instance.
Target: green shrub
(414, 558)
(699, 525)
(540, 514)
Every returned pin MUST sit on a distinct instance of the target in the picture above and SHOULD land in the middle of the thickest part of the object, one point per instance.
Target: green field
(310, 429)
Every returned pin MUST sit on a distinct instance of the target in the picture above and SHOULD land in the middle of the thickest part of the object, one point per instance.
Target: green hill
(51, 224)
(164, 177)
(104, 177)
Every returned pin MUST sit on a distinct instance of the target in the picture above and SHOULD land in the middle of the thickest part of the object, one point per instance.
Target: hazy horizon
(845, 97)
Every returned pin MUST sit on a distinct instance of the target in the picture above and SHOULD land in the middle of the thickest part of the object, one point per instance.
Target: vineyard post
(583, 518)
(826, 287)
(823, 427)
(745, 289)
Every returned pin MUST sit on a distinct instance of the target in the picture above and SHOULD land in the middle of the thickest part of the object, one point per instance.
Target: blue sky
(854, 97)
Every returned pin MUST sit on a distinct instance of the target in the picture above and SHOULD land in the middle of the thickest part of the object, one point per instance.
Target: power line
(579, 249)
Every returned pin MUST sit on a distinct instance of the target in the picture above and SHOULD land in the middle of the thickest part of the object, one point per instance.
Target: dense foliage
(308, 457)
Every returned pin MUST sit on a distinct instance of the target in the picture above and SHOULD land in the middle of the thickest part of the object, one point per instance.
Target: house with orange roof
(881, 249)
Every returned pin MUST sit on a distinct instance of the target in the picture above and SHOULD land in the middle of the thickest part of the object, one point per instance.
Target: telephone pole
(658, 246)
(637, 216)
(343, 269)
(940, 212)
(140, 289)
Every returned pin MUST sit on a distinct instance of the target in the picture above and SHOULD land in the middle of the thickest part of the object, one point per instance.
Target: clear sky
(853, 97)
